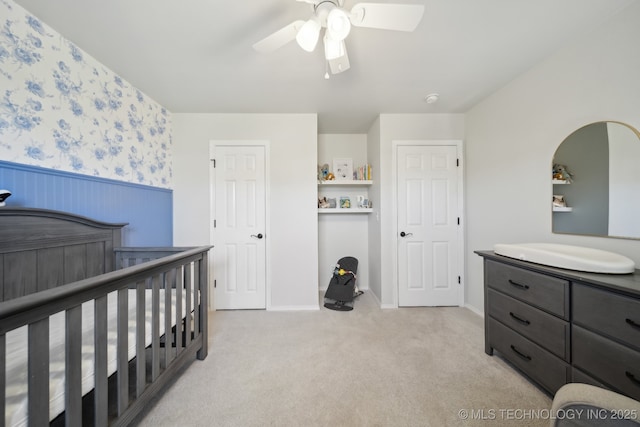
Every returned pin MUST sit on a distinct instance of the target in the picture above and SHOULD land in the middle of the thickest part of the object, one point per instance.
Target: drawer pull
(632, 378)
(524, 356)
(519, 319)
(518, 285)
(632, 323)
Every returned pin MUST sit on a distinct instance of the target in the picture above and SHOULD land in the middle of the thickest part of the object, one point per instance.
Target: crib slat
(155, 328)
(168, 336)
(141, 368)
(195, 286)
(38, 372)
(179, 314)
(73, 366)
(190, 284)
(122, 349)
(187, 311)
(169, 283)
(203, 279)
(3, 364)
(179, 286)
(101, 393)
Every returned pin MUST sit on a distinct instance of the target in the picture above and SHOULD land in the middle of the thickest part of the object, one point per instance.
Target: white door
(239, 227)
(428, 228)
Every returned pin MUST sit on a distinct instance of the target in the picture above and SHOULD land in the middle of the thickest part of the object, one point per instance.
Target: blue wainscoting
(148, 210)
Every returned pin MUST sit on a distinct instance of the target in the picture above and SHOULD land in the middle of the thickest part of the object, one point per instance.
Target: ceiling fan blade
(340, 64)
(399, 17)
(279, 38)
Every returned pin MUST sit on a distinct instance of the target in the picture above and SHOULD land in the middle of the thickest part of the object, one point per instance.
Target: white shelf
(559, 181)
(560, 209)
(344, 210)
(345, 182)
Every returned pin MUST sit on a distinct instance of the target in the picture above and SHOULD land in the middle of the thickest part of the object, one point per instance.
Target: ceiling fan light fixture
(308, 35)
(333, 49)
(338, 24)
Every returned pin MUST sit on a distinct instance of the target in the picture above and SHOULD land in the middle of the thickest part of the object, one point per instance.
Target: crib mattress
(16, 344)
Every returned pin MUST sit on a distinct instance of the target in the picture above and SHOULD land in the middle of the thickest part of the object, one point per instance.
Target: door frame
(394, 212)
(213, 144)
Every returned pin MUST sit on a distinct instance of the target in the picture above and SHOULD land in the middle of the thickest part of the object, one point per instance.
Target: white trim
(474, 310)
(267, 148)
(394, 212)
(294, 308)
(382, 306)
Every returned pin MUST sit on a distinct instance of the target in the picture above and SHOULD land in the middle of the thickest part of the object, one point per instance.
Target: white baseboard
(383, 306)
(475, 310)
(294, 308)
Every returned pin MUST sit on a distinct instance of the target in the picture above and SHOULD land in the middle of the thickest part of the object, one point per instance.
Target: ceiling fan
(337, 22)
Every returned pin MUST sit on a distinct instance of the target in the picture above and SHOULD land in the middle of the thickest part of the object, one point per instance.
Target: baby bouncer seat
(342, 288)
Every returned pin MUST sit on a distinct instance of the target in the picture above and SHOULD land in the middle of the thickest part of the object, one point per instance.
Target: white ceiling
(196, 55)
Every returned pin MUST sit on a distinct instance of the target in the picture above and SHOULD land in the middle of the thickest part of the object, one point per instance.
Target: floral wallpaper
(62, 109)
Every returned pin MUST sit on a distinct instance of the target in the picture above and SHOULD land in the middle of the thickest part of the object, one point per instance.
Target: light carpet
(367, 367)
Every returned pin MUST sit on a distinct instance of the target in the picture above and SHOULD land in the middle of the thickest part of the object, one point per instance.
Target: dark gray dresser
(559, 326)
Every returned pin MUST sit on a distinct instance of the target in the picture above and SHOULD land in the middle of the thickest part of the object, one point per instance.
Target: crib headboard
(42, 249)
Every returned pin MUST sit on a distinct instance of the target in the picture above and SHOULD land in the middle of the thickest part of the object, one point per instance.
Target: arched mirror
(596, 182)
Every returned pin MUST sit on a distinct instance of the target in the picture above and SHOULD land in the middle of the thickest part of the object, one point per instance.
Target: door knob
(403, 234)
(259, 235)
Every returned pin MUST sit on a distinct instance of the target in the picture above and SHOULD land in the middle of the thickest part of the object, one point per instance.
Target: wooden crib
(90, 331)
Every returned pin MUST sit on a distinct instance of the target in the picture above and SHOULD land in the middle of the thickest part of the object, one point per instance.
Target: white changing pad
(16, 378)
(567, 256)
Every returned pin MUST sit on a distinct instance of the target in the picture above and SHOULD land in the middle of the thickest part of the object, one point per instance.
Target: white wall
(292, 272)
(375, 233)
(394, 127)
(512, 135)
(342, 235)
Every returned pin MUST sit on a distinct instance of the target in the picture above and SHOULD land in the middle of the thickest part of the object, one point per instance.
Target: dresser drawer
(545, 292)
(607, 361)
(611, 314)
(542, 328)
(542, 366)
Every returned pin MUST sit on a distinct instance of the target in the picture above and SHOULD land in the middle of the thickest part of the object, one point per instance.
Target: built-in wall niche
(343, 184)
(602, 195)
(344, 231)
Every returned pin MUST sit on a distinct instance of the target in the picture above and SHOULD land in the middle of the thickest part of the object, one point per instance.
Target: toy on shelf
(561, 173)
(324, 174)
(559, 201)
(324, 203)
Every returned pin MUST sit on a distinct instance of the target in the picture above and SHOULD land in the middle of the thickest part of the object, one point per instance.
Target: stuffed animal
(561, 173)
(323, 171)
(323, 203)
(558, 201)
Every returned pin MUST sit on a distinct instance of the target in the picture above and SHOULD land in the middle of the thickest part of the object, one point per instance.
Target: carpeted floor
(367, 367)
